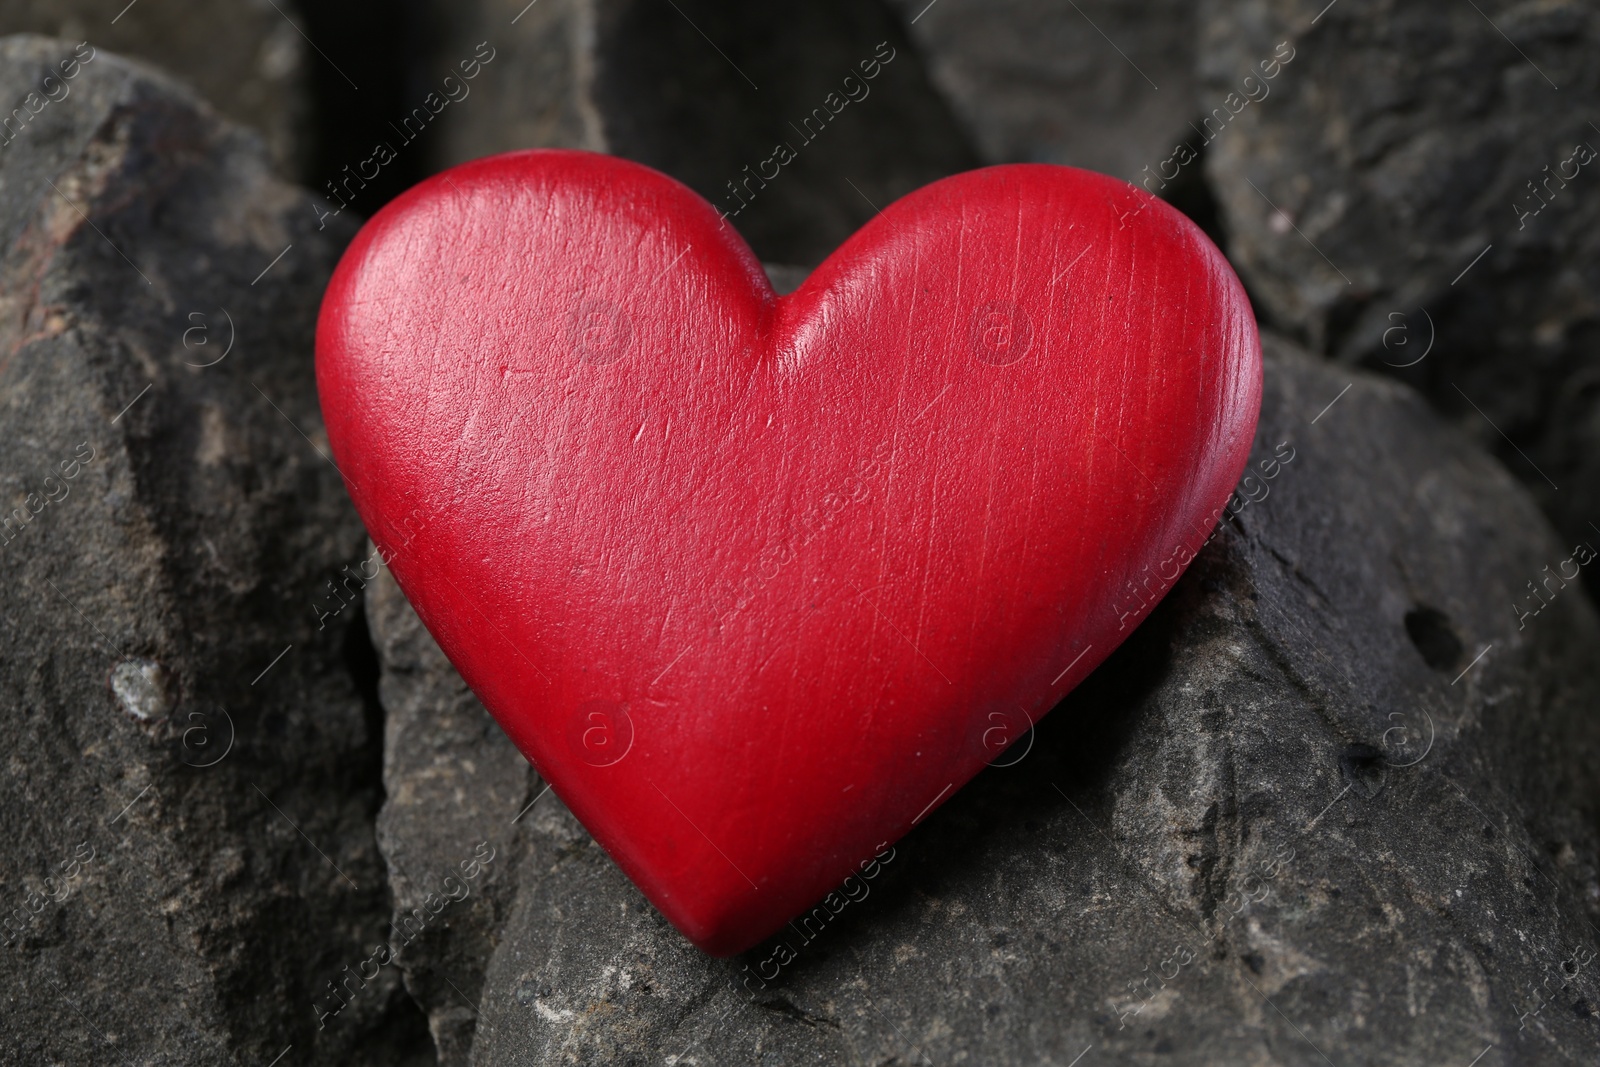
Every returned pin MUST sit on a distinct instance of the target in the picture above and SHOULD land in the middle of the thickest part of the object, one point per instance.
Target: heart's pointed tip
(724, 947)
(723, 933)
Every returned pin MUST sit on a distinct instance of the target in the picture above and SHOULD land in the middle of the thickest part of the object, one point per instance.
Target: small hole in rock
(1434, 637)
(1362, 764)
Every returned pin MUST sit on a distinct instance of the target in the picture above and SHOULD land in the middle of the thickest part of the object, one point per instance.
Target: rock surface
(247, 58)
(1096, 84)
(702, 89)
(191, 765)
(1407, 147)
(453, 780)
(1302, 813)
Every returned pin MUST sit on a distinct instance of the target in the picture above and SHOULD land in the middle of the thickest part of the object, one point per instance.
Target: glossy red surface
(758, 582)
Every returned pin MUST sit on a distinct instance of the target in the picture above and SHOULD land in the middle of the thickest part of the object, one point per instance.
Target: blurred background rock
(247, 58)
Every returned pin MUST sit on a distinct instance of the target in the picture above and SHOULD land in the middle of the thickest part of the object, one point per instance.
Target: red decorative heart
(757, 582)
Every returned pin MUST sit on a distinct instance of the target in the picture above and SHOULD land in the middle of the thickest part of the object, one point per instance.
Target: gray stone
(192, 769)
(453, 780)
(1335, 798)
(701, 90)
(247, 58)
(1095, 84)
(1397, 152)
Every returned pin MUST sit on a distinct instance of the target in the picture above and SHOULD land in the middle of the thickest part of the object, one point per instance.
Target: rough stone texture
(645, 80)
(1296, 792)
(1096, 84)
(1400, 143)
(453, 779)
(205, 821)
(245, 57)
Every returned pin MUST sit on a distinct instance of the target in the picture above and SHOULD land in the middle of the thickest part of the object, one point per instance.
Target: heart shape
(758, 582)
